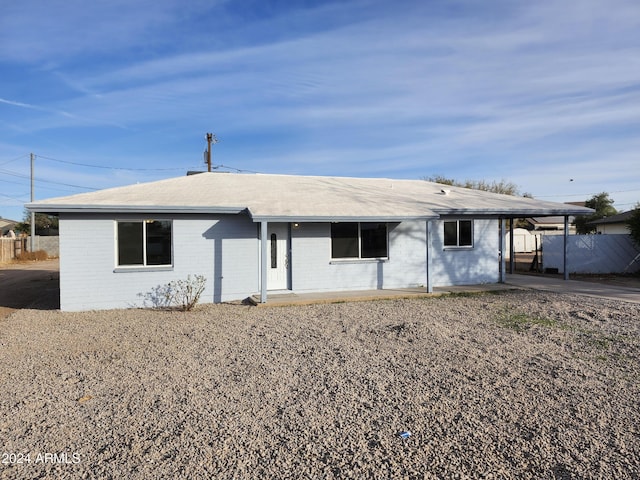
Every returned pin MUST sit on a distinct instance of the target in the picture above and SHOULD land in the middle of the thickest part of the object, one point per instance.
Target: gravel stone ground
(519, 384)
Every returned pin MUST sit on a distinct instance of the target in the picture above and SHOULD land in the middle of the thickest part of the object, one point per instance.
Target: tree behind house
(603, 206)
(633, 224)
(504, 187)
(45, 224)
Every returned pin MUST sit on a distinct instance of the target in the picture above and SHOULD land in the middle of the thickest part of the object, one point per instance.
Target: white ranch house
(257, 234)
(613, 225)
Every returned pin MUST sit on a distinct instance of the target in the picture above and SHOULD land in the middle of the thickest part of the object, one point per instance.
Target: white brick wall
(223, 249)
(313, 269)
(465, 266)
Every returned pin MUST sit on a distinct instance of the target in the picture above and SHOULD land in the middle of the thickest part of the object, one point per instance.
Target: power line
(12, 182)
(52, 182)
(12, 198)
(105, 167)
(144, 169)
(582, 194)
(47, 188)
(13, 160)
(139, 169)
(239, 170)
(20, 175)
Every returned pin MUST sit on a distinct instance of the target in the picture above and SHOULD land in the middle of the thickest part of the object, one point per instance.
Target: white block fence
(592, 254)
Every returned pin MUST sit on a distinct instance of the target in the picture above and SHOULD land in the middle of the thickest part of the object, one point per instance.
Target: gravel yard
(519, 384)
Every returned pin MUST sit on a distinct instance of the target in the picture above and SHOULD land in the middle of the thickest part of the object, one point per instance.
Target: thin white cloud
(20, 104)
(346, 79)
(57, 31)
(485, 90)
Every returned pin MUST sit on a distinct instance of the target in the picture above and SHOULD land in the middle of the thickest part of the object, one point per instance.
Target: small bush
(187, 292)
(180, 294)
(29, 256)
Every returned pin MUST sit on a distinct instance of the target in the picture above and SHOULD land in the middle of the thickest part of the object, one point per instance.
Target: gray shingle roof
(300, 198)
(619, 218)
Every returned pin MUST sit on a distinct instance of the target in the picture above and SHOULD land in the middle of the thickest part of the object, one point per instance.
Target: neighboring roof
(619, 218)
(553, 220)
(5, 222)
(303, 198)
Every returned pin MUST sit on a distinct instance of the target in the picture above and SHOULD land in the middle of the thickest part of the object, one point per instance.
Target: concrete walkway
(515, 281)
(578, 287)
(289, 298)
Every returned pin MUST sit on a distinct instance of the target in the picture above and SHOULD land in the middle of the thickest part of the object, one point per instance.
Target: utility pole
(211, 138)
(33, 215)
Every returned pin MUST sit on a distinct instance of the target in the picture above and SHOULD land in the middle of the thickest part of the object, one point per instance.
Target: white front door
(278, 256)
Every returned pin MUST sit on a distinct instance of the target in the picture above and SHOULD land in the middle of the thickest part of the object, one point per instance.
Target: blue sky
(537, 93)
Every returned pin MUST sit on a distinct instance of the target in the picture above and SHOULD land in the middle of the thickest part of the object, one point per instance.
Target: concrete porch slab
(514, 282)
(284, 299)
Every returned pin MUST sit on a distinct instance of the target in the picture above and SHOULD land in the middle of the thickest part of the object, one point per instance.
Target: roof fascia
(516, 213)
(312, 219)
(53, 208)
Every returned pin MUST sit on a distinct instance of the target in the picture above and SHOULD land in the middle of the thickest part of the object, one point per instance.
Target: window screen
(130, 250)
(373, 238)
(465, 238)
(450, 234)
(344, 240)
(158, 242)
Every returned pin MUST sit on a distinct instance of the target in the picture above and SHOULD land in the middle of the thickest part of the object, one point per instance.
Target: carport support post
(512, 248)
(263, 262)
(33, 214)
(428, 253)
(566, 247)
(503, 274)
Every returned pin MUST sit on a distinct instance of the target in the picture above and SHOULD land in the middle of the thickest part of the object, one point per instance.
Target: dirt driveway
(30, 284)
(522, 264)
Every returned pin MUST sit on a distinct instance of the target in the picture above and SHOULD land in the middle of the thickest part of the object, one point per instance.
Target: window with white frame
(359, 240)
(144, 243)
(458, 233)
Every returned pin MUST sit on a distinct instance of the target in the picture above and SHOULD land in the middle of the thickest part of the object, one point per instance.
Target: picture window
(359, 240)
(144, 243)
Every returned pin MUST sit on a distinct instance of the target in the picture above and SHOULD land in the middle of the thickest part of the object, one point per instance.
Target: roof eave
(329, 218)
(163, 209)
(510, 213)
